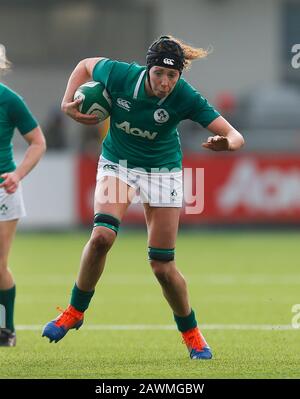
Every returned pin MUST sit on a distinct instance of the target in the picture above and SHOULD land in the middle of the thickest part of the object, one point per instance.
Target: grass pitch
(235, 280)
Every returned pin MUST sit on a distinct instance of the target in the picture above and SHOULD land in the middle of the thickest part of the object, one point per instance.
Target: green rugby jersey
(143, 129)
(14, 113)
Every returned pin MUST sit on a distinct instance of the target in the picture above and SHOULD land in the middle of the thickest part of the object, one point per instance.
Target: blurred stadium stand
(248, 76)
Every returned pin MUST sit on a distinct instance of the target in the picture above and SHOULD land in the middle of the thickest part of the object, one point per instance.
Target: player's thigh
(112, 196)
(162, 226)
(7, 233)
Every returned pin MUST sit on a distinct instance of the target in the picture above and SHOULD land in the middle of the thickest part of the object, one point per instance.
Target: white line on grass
(132, 327)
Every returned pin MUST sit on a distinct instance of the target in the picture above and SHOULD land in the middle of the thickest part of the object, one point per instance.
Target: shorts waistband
(142, 172)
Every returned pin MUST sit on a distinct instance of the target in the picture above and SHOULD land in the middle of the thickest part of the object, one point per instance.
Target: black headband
(164, 59)
(167, 53)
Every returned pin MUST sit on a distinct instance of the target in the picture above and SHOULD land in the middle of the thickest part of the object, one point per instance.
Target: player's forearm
(235, 139)
(32, 156)
(79, 76)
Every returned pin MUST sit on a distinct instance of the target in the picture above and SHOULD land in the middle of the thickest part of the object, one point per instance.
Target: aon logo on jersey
(125, 126)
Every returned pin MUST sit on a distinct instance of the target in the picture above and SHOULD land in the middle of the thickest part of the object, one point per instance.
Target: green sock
(7, 299)
(80, 300)
(186, 323)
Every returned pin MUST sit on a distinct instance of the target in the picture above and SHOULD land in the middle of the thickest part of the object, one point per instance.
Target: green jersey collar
(140, 89)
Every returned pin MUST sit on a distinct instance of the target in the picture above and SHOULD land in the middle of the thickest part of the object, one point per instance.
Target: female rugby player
(142, 152)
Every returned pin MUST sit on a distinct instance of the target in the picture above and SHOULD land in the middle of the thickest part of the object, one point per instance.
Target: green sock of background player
(7, 299)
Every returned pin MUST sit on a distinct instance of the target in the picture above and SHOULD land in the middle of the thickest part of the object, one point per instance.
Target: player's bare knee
(162, 270)
(162, 263)
(105, 230)
(102, 239)
(159, 268)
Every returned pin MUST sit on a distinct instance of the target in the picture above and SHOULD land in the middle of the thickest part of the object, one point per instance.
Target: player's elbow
(240, 140)
(88, 64)
(236, 141)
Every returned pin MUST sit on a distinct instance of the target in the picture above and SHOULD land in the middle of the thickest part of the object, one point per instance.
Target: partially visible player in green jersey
(14, 113)
(142, 153)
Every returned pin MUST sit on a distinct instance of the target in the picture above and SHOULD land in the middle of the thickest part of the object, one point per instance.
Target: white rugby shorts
(157, 189)
(11, 205)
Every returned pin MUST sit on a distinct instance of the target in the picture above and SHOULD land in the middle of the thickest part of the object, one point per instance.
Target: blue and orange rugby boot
(196, 344)
(56, 329)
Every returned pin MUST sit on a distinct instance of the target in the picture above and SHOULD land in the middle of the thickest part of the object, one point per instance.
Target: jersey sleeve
(102, 70)
(110, 72)
(199, 109)
(203, 112)
(20, 115)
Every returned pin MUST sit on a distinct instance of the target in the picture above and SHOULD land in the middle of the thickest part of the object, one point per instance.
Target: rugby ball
(95, 100)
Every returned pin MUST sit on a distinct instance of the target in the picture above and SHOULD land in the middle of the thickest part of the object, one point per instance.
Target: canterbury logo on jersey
(110, 167)
(168, 61)
(123, 104)
(125, 126)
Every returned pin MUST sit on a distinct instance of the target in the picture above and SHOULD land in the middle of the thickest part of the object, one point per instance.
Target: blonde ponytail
(4, 63)
(190, 53)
